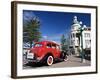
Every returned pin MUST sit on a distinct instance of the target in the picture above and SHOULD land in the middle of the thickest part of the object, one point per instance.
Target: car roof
(46, 42)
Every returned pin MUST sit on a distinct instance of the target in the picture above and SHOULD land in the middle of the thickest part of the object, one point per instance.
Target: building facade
(76, 35)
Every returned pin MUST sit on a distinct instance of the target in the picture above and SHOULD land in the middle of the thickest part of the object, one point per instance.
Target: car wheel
(49, 60)
(66, 58)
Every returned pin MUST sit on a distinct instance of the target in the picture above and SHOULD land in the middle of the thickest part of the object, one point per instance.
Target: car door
(58, 52)
(55, 50)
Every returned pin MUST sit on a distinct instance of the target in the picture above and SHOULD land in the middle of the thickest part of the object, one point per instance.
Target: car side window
(54, 46)
(37, 45)
(48, 45)
(57, 47)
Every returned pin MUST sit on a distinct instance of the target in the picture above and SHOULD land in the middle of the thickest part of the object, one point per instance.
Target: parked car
(46, 52)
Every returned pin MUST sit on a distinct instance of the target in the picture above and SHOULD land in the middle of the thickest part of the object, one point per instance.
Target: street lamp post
(82, 50)
(79, 28)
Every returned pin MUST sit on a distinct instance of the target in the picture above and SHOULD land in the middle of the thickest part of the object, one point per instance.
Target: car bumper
(32, 60)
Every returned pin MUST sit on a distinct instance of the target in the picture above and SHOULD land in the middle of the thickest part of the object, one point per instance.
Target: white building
(75, 37)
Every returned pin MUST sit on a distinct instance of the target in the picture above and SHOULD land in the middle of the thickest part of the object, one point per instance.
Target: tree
(31, 31)
(64, 45)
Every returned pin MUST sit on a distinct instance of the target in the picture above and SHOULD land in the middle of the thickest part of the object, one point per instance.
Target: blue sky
(54, 24)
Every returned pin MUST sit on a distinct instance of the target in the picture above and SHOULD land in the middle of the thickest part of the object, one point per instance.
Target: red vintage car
(45, 52)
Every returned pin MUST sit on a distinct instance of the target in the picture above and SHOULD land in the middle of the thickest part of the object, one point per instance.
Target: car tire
(49, 60)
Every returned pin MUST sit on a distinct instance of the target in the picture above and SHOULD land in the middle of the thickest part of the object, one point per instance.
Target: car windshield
(37, 45)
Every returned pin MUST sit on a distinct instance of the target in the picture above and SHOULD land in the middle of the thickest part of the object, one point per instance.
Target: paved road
(73, 61)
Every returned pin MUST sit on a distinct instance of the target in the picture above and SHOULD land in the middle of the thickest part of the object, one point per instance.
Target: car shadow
(35, 65)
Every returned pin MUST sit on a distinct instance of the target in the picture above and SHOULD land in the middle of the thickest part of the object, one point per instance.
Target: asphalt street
(73, 61)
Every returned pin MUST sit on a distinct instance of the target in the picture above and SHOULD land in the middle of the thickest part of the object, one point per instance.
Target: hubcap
(50, 60)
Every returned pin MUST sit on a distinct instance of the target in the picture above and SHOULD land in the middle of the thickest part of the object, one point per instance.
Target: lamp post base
(82, 60)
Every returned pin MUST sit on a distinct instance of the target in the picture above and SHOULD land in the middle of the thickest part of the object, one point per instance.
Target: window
(57, 47)
(87, 35)
(48, 45)
(73, 35)
(77, 34)
(71, 42)
(53, 46)
(37, 45)
(77, 41)
(87, 43)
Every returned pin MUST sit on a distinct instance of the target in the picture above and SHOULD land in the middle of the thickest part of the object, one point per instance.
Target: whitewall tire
(49, 60)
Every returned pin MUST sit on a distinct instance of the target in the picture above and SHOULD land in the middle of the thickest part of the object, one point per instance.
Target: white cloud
(45, 37)
(56, 38)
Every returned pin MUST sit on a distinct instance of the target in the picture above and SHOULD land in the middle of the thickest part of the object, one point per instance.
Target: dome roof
(76, 24)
